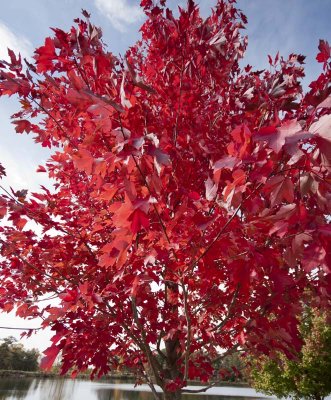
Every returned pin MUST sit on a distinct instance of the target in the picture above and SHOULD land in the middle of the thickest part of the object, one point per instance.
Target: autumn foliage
(190, 203)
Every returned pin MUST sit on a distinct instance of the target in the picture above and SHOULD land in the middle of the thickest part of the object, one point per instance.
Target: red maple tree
(191, 199)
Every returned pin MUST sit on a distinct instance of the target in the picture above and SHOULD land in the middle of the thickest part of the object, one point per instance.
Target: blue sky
(284, 25)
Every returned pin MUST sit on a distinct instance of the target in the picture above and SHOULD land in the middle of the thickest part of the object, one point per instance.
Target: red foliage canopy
(191, 199)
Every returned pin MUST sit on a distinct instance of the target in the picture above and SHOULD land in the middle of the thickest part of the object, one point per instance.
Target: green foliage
(13, 356)
(308, 376)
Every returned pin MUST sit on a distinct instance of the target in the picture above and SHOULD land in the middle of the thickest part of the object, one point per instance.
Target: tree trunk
(172, 350)
(172, 395)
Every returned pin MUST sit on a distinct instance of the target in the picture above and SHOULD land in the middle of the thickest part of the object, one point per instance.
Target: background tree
(13, 356)
(232, 367)
(308, 375)
(5, 353)
(190, 200)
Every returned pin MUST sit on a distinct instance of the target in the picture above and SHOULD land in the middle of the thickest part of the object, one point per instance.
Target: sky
(287, 26)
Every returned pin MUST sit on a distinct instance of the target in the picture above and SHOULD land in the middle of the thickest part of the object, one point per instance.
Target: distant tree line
(13, 356)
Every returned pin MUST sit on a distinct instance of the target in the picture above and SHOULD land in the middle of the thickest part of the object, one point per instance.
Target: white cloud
(18, 43)
(120, 12)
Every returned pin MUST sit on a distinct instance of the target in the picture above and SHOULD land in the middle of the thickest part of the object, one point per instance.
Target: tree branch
(49, 114)
(82, 73)
(160, 352)
(199, 390)
(154, 364)
(188, 335)
(150, 383)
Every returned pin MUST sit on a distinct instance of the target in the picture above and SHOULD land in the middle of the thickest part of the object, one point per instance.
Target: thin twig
(82, 73)
(49, 114)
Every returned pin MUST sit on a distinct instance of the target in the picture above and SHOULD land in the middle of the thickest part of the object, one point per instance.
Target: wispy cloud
(13, 41)
(120, 12)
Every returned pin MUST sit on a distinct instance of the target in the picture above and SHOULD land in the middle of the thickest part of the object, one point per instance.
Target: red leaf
(194, 196)
(322, 127)
(276, 137)
(22, 126)
(108, 192)
(325, 229)
(76, 80)
(50, 356)
(313, 257)
(280, 189)
(324, 53)
(13, 85)
(74, 374)
(69, 295)
(83, 161)
(45, 56)
(86, 14)
(211, 189)
(41, 169)
(227, 162)
(97, 298)
(14, 61)
(20, 223)
(79, 99)
(3, 211)
(139, 220)
(2, 171)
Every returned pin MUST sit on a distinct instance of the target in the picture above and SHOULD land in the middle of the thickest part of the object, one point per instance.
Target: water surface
(67, 389)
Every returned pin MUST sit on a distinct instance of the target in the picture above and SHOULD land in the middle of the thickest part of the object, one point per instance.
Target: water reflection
(15, 387)
(67, 389)
(104, 394)
(117, 394)
(56, 389)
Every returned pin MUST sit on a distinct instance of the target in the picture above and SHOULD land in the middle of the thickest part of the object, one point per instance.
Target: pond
(67, 389)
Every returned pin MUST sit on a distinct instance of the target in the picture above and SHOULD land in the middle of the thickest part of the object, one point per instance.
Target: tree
(13, 356)
(190, 199)
(231, 368)
(308, 375)
(5, 354)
